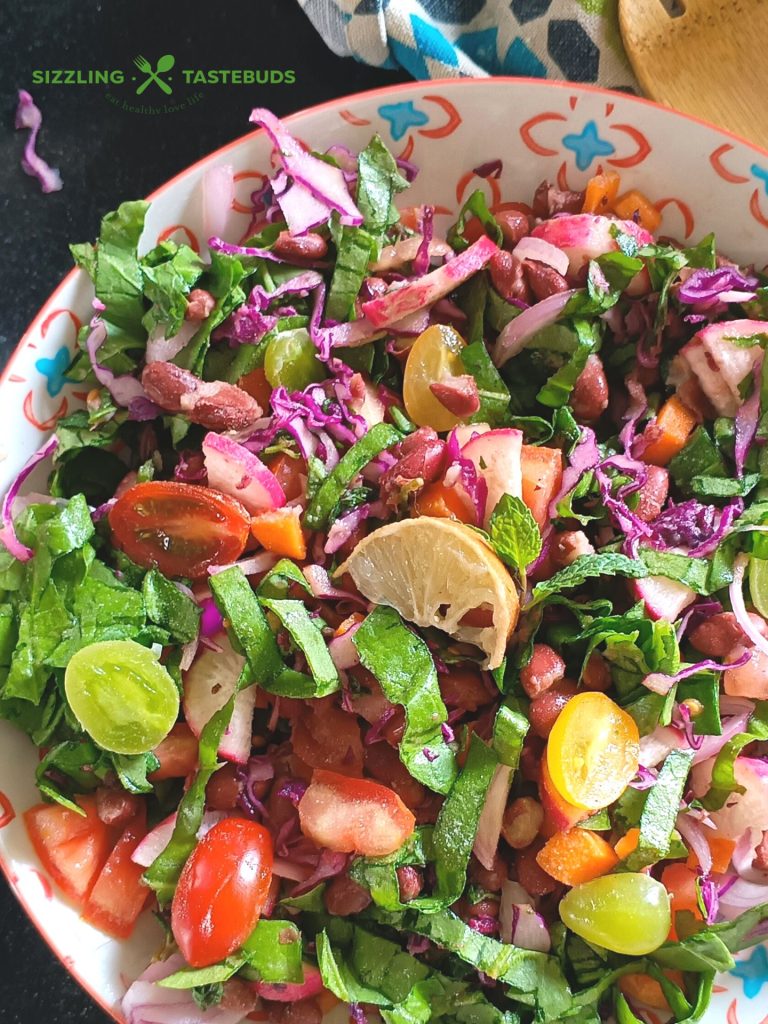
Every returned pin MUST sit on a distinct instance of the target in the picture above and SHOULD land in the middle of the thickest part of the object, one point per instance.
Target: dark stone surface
(106, 155)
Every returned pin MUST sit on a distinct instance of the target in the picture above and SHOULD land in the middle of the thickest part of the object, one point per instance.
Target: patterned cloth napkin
(572, 39)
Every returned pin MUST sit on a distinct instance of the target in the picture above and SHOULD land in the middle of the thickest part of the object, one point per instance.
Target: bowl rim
(326, 105)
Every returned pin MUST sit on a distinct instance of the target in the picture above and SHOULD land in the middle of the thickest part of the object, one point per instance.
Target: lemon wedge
(436, 572)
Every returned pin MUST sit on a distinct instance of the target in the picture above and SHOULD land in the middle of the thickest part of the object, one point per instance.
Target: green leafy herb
(514, 533)
(493, 392)
(378, 438)
(405, 670)
(587, 567)
(558, 388)
(723, 772)
(510, 728)
(169, 272)
(662, 806)
(168, 607)
(475, 206)
(307, 635)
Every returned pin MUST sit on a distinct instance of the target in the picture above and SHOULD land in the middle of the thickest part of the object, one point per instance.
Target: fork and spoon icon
(164, 64)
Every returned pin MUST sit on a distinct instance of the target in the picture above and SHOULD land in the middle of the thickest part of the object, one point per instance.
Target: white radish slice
(663, 598)
(208, 685)
(233, 470)
(154, 842)
(497, 457)
(718, 364)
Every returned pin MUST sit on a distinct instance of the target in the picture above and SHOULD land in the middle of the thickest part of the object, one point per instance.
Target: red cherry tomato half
(222, 891)
(180, 528)
(354, 815)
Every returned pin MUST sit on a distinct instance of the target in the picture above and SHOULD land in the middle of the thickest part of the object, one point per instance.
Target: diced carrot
(601, 192)
(257, 386)
(721, 850)
(645, 989)
(280, 531)
(576, 856)
(348, 623)
(443, 502)
(542, 470)
(627, 844)
(680, 883)
(633, 205)
(668, 433)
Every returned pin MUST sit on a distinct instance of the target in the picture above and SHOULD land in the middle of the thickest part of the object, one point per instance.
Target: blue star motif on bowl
(55, 370)
(761, 173)
(588, 145)
(401, 117)
(753, 972)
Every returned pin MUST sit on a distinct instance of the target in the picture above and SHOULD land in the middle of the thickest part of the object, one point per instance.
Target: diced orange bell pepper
(280, 531)
(668, 434)
(627, 844)
(576, 856)
(443, 502)
(721, 850)
(642, 988)
(601, 192)
(633, 205)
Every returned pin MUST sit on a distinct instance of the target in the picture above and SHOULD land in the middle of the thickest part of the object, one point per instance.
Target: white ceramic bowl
(703, 179)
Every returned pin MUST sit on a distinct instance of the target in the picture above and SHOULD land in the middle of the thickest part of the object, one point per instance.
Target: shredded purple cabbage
(126, 390)
(421, 263)
(28, 116)
(726, 284)
(466, 474)
(747, 417)
(490, 169)
(7, 530)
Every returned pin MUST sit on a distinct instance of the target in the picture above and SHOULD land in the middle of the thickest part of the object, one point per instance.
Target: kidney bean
(410, 881)
(213, 404)
(200, 304)
(544, 709)
(420, 457)
(483, 908)
(463, 687)
(305, 1011)
(589, 398)
(514, 224)
(530, 757)
(343, 896)
(761, 854)
(653, 494)
(545, 668)
(549, 200)
(458, 395)
(223, 790)
(543, 280)
(507, 277)
(383, 763)
(489, 879)
(568, 546)
(718, 635)
(533, 879)
(115, 806)
(306, 247)
(597, 674)
(522, 821)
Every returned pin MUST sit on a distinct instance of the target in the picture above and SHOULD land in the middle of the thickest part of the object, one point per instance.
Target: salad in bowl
(394, 624)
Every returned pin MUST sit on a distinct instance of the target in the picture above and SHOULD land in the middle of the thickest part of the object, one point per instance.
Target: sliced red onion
(251, 566)
(188, 652)
(162, 350)
(219, 245)
(741, 896)
(644, 779)
(300, 209)
(323, 180)
(585, 456)
(341, 531)
(421, 263)
(519, 923)
(146, 1002)
(661, 683)
(541, 251)
(638, 405)
(712, 745)
(125, 389)
(329, 865)
(320, 583)
(745, 423)
(695, 835)
(656, 745)
(489, 824)
(343, 651)
(233, 470)
(7, 530)
(28, 116)
(518, 332)
(744, 856)
(218, 189)
(736, 594)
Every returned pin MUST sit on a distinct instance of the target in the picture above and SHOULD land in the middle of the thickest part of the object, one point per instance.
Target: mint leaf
(514, 533)
(662, 806)
(587, 567)
(308, 637)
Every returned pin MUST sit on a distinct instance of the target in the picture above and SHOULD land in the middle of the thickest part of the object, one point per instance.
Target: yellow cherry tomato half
(593, 751)
(434, 356)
